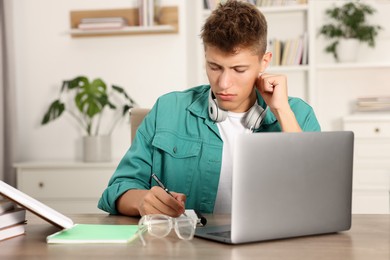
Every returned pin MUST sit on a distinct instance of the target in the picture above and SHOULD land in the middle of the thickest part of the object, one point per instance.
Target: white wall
(147, 66)
(45, 55)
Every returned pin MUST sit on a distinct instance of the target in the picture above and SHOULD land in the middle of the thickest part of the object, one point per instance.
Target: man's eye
(214, 68)
(240, 70)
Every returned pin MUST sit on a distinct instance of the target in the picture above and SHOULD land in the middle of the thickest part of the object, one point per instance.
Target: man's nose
(225, 80)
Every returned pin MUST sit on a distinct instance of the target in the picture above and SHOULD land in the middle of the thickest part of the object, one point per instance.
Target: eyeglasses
(159, 225)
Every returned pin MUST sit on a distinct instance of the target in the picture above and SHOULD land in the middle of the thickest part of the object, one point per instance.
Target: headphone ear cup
(216, 114)
(255, 117)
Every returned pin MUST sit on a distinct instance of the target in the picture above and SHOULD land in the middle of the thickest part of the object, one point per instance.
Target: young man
(187, 138)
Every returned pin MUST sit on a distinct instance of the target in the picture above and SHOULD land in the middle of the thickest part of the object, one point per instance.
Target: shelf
(365, 65)
(167, 23)
(283, 8)
(288, 68)
(380, 116)
(125, 30)
(274, 9)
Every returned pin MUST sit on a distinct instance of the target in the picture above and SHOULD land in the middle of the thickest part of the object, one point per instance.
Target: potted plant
(349, 24)
(87, 102)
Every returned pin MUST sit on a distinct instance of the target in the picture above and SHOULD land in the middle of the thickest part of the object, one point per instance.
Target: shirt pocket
(176, 160)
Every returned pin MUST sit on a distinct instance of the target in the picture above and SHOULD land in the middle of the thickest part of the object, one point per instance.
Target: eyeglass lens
(160, 226)
(185, 228)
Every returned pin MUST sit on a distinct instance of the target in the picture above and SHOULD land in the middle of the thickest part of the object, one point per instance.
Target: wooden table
(368, 239)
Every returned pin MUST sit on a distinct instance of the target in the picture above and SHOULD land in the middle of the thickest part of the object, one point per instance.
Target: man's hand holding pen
(158, 201)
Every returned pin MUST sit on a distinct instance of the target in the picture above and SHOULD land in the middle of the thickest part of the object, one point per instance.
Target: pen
(160, 183)
(154, 176)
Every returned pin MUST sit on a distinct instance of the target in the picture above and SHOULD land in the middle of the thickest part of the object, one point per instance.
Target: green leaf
(92, 98)
(78, 82)
(55, 111)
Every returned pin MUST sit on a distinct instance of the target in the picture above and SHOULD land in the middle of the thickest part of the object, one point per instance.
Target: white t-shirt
(228, 129)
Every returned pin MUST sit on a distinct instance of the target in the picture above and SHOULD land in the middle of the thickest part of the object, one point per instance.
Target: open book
(35, 206)
(71, 233)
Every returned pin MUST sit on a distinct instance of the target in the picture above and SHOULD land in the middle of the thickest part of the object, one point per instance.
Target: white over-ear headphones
(253, 119)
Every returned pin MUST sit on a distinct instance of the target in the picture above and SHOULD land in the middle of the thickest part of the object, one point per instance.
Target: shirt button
(174, 149)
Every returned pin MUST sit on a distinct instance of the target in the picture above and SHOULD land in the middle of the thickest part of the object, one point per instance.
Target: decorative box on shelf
(68, 187)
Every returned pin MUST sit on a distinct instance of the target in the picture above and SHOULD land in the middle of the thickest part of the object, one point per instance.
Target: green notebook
(91, 233)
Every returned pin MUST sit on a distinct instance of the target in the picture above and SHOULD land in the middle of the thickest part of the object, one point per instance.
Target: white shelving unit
(331, 88)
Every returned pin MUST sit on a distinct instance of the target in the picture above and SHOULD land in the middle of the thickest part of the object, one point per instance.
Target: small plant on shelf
(86, 101)
(349, 22)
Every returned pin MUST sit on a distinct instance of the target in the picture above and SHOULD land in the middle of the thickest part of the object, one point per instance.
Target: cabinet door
(371, 163)
(66, 189)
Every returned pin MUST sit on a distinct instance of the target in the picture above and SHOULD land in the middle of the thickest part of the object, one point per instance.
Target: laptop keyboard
(224, 234)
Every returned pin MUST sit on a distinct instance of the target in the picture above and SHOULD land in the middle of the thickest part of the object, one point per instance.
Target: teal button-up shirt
(181, 144)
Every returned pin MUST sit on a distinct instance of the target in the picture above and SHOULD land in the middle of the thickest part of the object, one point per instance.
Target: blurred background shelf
(167, 22)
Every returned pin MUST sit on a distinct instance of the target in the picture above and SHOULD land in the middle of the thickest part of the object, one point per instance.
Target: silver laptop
(288, 185)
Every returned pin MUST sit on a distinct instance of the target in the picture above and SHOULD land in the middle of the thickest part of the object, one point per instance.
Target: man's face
(232, 77)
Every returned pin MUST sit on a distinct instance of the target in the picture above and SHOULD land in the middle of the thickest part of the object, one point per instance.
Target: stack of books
(102, 23)
(373, 104)
(290, 52)
(12, 219)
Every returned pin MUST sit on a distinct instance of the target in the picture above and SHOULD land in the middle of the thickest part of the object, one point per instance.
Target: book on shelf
(373, 104)
(297, 59)
(275, 47)
(149, 12)
(374, 100)
(288, 52)
(305, 49)
(93, 20)
(277, 52)
(102, 23)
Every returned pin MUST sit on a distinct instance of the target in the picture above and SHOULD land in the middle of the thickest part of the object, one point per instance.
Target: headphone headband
(253, 119)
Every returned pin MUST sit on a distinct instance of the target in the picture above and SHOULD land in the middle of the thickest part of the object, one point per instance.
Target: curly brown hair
(234, 25)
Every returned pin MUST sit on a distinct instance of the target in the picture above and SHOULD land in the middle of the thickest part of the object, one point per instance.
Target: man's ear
(265, 61)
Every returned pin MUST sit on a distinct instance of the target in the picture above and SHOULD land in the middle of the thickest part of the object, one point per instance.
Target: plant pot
(347, 50)
(97, 148)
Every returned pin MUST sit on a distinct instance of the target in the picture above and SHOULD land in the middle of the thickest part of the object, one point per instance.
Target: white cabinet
(72, 187)
(371, 162)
